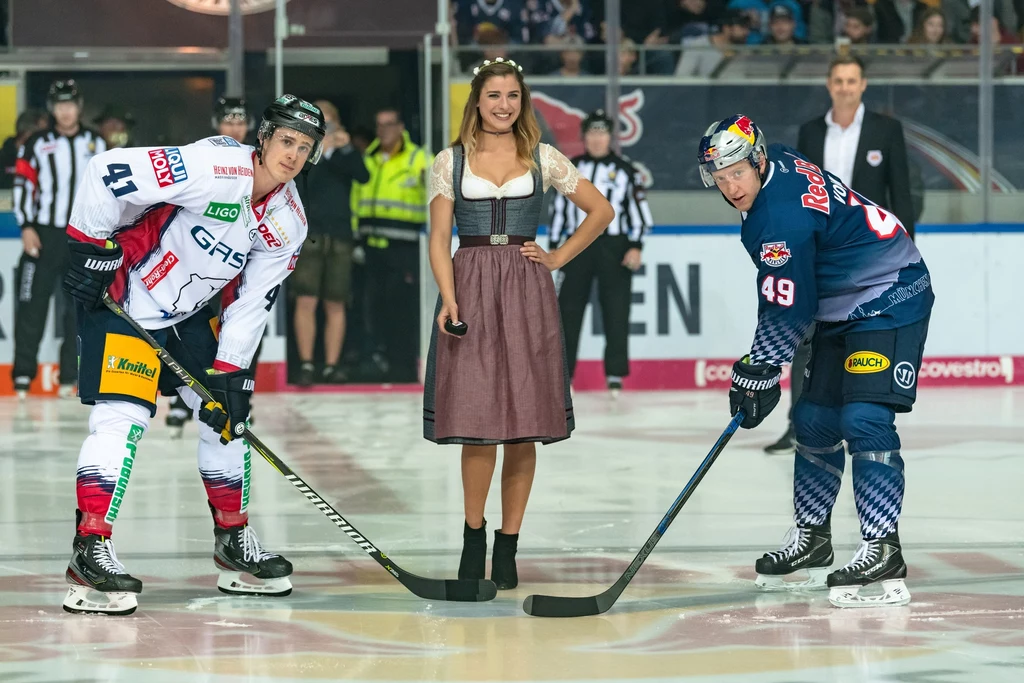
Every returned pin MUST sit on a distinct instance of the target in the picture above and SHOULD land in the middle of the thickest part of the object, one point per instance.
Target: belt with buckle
(492, 240)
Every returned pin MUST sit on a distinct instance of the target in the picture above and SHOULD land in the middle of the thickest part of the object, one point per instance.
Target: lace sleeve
(557, 170)
(441, 172)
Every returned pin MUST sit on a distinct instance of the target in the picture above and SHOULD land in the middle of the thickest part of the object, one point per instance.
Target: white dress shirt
(841, 145)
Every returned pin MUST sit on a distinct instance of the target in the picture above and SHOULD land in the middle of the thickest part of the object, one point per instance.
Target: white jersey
(185, 220)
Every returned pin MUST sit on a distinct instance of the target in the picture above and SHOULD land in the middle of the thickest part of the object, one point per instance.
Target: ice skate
(177, 416)
(614, 387)
(877, 561)
(246, 568)
(804, 548)
(67, 391)
(98, 582)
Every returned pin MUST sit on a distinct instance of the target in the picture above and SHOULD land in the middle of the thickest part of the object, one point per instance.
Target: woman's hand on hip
(536, 253)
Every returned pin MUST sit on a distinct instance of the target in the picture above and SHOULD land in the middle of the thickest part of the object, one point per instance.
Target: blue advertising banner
(660, 125)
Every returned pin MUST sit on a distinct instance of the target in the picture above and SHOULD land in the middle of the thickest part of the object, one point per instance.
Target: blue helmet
(728, 142)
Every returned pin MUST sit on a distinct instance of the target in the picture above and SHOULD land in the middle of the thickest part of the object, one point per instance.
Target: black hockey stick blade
(455, 590)
(554, 606)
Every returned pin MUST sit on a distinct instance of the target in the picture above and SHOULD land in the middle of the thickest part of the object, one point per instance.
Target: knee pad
(118, 417)
(869, 427)
(817, 427)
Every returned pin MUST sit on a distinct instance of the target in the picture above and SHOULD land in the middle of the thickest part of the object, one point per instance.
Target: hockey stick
(554, 606)
(458, 590)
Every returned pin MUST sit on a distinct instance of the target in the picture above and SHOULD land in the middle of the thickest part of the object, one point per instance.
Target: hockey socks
(817, 476)
(878, 490)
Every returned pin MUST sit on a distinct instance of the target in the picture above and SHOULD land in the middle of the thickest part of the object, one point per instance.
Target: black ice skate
(804, 548)
(879, 560)
(240, 557)
(99, 583)
(177, 416)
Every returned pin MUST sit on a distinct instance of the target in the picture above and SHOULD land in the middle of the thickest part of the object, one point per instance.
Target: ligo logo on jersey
(775, 254)
(212, 246)
(743, 127)
(816, 197)
(228, 213)
(269, 237)
(153, 277)
(168, 166)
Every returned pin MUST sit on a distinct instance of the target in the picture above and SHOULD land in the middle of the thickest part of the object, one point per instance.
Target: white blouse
(556, 170)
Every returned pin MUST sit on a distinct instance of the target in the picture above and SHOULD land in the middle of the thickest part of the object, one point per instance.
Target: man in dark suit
(868, 153)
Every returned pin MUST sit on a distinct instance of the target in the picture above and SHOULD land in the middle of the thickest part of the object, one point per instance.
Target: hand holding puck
(458, 329)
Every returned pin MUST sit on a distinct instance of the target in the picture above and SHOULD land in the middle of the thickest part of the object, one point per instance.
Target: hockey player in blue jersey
(825, 253)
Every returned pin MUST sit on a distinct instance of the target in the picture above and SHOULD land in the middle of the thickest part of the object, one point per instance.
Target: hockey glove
(91, 271)
(755, 389)
(228, 412)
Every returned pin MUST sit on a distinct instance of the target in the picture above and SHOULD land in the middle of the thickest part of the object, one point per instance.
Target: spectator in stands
(896, 19)
(758, 11)
(1000, 36)
(627, 58)
(859, 26)
(493, 41)
(508, 16)
(560, 18)
(644, 22)
(571, 55)
(698, 59)
(959, 17)
(827, 18)
(782, 26)
(930, 29)
(29, 121)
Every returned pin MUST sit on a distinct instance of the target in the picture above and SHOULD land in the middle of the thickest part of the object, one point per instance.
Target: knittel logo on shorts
(134, 436)
(866, 362)
(131, 368)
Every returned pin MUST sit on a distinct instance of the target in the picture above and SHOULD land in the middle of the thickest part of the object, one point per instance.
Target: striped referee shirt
(620, 182)
(49, 169)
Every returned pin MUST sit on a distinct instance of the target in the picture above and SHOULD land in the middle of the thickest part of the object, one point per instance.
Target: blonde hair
(525, 128)
(328, 109)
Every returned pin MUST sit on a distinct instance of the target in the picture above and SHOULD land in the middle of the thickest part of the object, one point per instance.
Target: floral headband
(497, 60)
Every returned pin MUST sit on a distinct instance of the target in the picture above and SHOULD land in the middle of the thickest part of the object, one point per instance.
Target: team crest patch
(875, 157)
(774, 254)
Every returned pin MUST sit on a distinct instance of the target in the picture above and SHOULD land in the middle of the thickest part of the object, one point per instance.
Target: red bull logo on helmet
(564, 120)
(743, 127)
(775, 254)
(711, 153)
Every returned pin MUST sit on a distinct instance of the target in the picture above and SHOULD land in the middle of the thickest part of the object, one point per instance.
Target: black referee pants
(602, 260)
(393, 305)
(38, 279)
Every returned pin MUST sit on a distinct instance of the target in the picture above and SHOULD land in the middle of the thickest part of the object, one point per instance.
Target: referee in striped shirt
(49, 169)
(612, 258)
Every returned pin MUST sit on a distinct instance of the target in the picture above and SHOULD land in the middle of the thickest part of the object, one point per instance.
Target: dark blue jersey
(824, 252)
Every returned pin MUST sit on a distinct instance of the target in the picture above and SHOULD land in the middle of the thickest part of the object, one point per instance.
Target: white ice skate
(878, 564)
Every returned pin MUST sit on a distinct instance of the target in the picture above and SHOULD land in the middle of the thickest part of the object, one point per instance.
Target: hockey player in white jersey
(164, 231)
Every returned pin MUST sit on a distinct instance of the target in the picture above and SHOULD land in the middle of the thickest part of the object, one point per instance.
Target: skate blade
(816, 580)
(894, 593)
(240, 583)
(86, 600)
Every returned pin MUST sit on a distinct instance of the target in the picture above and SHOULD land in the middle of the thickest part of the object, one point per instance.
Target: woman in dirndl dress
(504, 381)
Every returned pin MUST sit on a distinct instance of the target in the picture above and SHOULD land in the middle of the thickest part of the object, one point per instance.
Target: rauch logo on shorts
(864, 362)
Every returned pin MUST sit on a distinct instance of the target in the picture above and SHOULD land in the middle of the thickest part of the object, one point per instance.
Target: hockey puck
(458, 329)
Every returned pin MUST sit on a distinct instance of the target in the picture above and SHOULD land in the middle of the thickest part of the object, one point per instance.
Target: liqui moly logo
(564, 121)
(168, 166)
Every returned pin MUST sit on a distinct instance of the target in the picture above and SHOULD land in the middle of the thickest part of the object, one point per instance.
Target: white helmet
(728, 142)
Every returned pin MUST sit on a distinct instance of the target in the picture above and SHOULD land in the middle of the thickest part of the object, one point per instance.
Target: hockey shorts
(870, 366)
(115, 364)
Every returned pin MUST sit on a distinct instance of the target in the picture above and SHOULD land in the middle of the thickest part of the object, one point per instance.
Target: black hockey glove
(91, 270)
(228, 412)
(755, 390)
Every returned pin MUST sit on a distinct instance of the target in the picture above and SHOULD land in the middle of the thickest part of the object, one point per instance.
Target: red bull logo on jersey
(743, 127)
(168, 166)
(775, 254)
(564, 121)
(816, 197)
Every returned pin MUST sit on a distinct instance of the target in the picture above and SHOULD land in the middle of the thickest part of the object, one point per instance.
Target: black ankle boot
(503, 563)
(474, 552)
